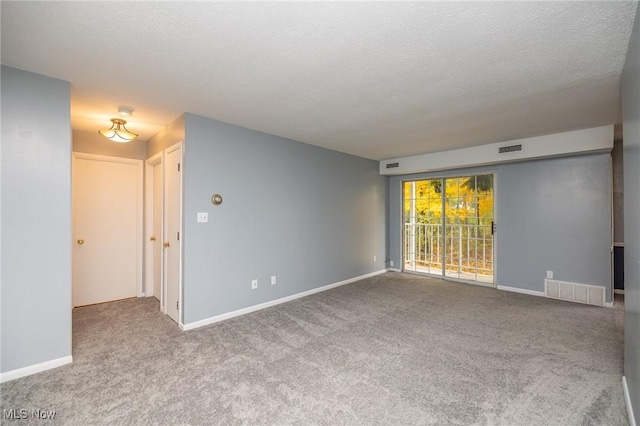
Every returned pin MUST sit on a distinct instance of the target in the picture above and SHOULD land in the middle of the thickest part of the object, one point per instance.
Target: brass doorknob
(152, 238)
(166, 244)
(80, 241)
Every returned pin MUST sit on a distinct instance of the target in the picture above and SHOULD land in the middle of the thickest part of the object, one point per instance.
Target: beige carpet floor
(395, 349)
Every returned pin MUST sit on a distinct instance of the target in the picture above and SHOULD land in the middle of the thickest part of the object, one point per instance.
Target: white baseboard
(521, 290)
(618, 291)
(627, 402)
(244, 311)
(394, 270)
(36, 368)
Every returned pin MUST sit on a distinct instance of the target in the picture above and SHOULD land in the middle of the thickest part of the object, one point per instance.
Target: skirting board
(521, 290)
(244, 311)
(36, 368)
(617, 291)
(627, 402)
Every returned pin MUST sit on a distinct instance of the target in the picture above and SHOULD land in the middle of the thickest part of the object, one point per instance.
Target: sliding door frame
(443, 275)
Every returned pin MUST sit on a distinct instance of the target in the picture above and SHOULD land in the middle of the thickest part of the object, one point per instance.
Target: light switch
(203, 217)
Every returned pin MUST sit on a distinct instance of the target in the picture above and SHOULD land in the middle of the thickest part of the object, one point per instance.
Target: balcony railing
(466, 249)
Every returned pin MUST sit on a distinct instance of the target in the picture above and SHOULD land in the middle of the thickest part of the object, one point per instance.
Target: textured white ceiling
(378, 80)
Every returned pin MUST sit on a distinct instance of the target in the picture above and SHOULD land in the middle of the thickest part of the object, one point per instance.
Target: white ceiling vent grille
(574, 292)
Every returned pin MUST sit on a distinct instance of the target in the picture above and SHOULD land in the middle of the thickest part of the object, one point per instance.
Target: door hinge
(178, 166)
(178, 236)
(178, 305)
(493, 228)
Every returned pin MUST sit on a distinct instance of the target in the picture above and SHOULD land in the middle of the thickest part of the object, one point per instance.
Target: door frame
(177, 146)
(149, 192)
(612, 285)
(139, 205)
(453, 175)
(150, 163)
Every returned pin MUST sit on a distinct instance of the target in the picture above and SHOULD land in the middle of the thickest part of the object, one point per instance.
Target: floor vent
(574, 292)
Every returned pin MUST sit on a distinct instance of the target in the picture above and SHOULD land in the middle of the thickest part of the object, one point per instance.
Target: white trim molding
(248, 310)
(521, 290)
(36, 368)
(627, 402)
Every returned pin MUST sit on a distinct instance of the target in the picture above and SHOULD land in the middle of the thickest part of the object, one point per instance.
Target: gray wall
(631, 128)
(36, 219)
(168, 136)
(618, 192)
(308, 215)
(95, 143)
(551, 215)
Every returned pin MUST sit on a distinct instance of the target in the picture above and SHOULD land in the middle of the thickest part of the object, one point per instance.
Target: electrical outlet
(374, 257)
(273, 280)
(391, 263)
(254, 284)
(549, 275)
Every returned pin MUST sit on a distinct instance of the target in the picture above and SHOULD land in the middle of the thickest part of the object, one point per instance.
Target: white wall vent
(574, 292)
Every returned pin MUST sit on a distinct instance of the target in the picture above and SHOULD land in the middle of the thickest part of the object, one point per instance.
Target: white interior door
(172, 229)
(107, 228)
(157, 232)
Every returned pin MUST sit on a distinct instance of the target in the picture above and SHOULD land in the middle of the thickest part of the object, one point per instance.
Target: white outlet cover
(254, 284)
(273, 280)
(550, 275)
(203, 217)
(391, 263)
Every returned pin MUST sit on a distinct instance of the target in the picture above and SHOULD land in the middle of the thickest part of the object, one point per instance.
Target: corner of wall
(169, 135)
(36, 172)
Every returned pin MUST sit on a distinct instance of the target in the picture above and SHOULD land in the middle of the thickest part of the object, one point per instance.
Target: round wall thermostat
(216, 199)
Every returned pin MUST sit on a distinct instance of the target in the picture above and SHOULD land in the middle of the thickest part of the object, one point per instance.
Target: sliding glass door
(448, 226)
(423, 237)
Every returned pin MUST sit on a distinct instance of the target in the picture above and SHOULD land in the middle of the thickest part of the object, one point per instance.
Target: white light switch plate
(203, 217)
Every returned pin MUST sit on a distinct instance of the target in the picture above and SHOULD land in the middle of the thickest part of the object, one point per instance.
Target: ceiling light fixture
(118, 132)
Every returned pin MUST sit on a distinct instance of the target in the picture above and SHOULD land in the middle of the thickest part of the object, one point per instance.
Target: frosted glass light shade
(117, 132)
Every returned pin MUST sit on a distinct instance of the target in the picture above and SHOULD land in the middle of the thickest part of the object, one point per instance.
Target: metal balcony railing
(465, 249)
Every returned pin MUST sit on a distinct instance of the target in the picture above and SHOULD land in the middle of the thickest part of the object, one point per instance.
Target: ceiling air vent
(392, 165)
(511, 148)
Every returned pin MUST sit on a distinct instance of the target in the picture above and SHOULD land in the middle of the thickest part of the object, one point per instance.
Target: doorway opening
(163, 256)
(107, 228)
(449, 226)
